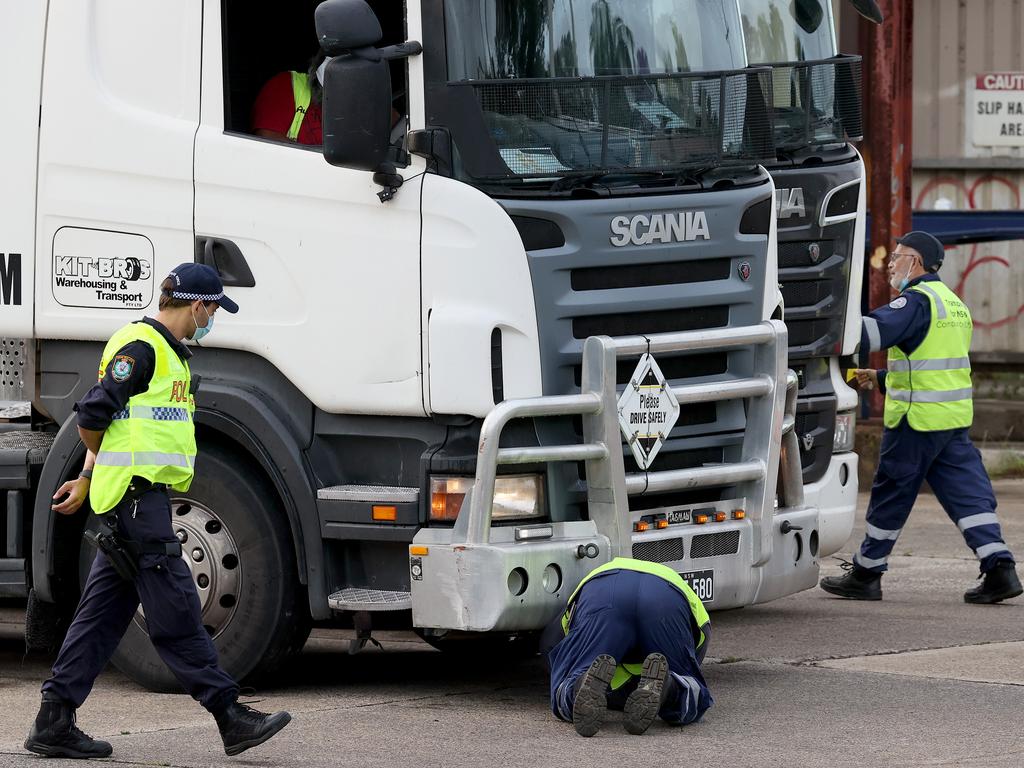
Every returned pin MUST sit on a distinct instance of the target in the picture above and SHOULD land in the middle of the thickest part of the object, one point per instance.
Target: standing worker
(137, 426)
(928, 409)
(647, 617)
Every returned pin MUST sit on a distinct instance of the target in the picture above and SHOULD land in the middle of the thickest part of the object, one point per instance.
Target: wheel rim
(211, 554)
(210, 551)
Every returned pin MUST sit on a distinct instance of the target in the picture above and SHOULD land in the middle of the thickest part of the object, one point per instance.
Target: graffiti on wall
(982, 271)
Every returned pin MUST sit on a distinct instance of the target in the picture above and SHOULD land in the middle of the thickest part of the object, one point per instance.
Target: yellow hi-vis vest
(700, 614)
(153, 436)
(932, 387)
(302, 94)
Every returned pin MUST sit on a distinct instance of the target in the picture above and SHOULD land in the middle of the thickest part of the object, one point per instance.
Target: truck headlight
(845, 424)
(515, 497)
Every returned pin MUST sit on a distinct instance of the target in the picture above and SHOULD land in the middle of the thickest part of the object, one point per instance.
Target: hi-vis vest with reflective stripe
(700, 614)
(153, 437)
(932, 387)
(302, 95)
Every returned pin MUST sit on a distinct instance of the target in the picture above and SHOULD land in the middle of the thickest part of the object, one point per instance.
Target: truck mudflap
(480, 577)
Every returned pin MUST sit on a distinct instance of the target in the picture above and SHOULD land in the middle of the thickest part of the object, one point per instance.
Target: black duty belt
(140, 486)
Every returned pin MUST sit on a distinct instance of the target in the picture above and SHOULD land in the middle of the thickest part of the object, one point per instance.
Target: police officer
(137, 426)
(928, 409)
(645, 616)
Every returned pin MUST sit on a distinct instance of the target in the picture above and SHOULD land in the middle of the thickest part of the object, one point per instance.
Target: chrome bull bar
(771, 402)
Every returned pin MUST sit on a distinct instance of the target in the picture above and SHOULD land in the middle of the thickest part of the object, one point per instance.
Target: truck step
(371, 493)
(37, 444)
(356, 599)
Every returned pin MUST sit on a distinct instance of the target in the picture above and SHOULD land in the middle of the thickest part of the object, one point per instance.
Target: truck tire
(239, 549)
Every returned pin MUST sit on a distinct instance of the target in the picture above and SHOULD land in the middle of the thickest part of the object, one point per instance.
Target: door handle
(227, 259)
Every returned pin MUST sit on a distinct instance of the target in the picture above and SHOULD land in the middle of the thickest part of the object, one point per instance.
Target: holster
(107, 542)
(124, 554)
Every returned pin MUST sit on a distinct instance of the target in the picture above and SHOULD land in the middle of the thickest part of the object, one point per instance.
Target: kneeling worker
(645, 616)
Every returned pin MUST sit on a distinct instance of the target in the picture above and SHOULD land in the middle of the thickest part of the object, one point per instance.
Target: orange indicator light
(389, 514)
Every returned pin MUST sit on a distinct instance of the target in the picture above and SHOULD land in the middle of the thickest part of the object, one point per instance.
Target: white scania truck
(417, 415)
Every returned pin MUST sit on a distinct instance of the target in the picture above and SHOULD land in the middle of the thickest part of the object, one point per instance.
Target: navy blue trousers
(952, 466)
(629, 615)
(173, 618)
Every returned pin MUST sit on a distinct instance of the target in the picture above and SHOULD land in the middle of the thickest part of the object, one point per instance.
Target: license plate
(679, 516)
(701, 582)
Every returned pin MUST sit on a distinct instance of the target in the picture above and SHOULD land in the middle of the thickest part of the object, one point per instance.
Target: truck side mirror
(357, 86)
(356, 105)
(808, 14)
(345, 25)
(356, 112)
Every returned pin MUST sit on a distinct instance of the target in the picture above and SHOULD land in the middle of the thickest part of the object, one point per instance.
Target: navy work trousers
(952, 466)
(168, 595)
(629, 615)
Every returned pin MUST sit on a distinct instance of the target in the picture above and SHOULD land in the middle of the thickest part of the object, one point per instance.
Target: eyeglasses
(894, 256)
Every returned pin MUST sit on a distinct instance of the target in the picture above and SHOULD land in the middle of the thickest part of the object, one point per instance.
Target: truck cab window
(271, 69)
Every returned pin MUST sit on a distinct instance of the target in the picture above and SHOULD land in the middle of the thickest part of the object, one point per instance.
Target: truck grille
(715, 544)
(589, 286)
(662, 321)
(638, 275)
(815, 429)
(814, 275)
(661, 551)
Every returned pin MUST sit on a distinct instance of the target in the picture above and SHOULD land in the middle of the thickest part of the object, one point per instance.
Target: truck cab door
(120, 107)
(334, 296)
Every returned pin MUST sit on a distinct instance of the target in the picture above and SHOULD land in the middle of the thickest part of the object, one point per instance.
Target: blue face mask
(202, 330)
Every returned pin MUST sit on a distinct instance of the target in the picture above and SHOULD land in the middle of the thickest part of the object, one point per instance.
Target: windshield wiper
(607, 178)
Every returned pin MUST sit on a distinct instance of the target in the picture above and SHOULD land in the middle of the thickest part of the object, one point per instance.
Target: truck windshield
(787, 30)
(564, 92)
(500, 39)
(815, 93)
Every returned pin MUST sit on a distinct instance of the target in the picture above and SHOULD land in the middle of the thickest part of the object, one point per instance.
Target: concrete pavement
(920, 679)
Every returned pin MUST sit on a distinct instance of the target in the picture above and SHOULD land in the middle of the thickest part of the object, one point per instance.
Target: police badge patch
(122, 368)
(898, 303)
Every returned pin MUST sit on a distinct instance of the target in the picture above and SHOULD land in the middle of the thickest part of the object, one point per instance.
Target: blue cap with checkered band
(199, 282)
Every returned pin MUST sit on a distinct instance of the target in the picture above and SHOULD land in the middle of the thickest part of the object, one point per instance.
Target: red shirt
(275, 108)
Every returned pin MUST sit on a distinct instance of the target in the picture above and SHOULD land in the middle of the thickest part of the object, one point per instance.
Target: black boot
(242, 727)
(645, 702)
(1001, 583)
(856, 584)
(54, 733)
(591, 699)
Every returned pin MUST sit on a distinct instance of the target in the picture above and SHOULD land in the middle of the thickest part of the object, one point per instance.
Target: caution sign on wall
(996, 110)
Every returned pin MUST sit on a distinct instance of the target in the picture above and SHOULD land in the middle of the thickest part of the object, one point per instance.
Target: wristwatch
(86, 473)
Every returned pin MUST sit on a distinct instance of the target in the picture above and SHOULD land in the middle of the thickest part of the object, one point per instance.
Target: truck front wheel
(238, 547)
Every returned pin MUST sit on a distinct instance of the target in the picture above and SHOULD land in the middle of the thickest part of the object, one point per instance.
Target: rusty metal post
(888, 104)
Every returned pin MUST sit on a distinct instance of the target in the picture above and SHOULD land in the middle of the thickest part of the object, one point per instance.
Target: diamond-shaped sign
(648, 410)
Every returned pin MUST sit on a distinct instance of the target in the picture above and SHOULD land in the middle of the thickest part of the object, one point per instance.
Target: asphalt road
(920, 679)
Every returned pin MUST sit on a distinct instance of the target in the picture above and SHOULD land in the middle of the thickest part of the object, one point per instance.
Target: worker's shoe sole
(55, 750)
(988, 599)
(591, 701)
(643, 704)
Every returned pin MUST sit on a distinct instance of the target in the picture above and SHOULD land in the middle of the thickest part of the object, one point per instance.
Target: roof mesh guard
(560, 127)
(817, 102)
